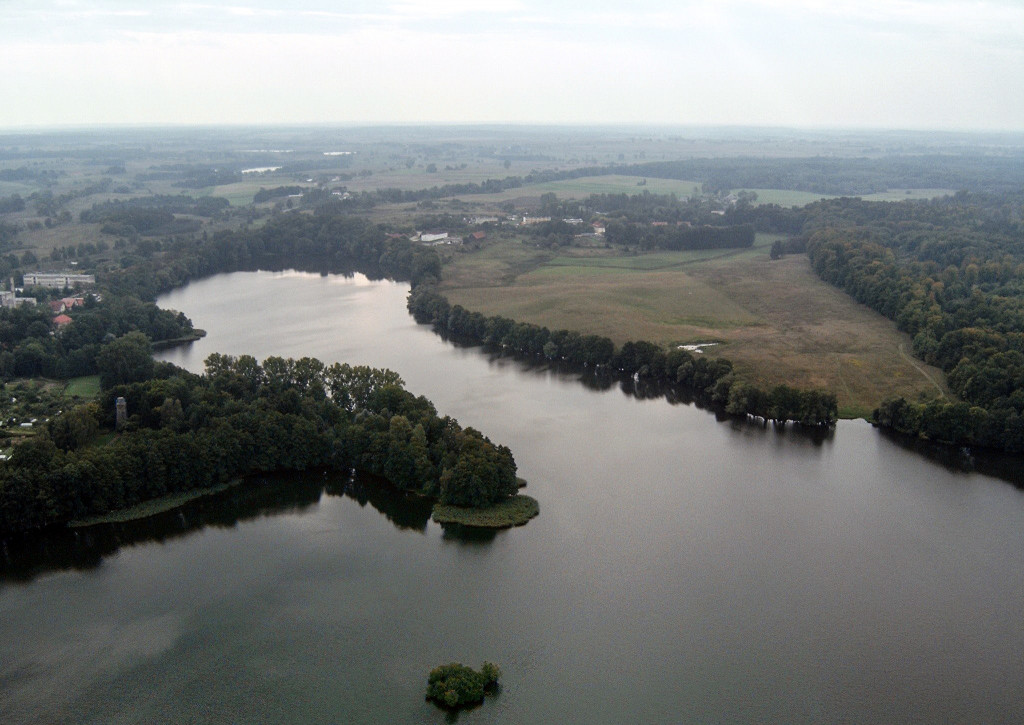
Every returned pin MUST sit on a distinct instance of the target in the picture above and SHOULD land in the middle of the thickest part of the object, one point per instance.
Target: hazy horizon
(914, 65)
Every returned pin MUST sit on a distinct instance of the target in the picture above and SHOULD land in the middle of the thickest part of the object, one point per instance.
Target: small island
(456, 685)
(514, 511)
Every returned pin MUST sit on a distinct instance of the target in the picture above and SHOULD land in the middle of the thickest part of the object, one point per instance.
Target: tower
(121, 408)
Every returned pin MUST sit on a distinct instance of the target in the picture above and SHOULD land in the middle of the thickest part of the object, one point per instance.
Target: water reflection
(405, 510)
(468, 534)
(962, 460)
(602, 379)
(27, 556)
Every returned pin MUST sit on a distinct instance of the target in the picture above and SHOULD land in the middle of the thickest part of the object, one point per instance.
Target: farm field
(241, 193)
(775, 320)
(786, 197)
(904, 194)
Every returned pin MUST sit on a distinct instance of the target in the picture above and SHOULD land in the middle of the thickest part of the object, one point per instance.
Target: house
(61, 321)
(598, 227)
(56, 306)
(477, 236)
(70, 302)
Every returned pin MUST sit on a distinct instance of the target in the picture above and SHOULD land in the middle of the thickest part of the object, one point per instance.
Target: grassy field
(785, 197)
(86, 387)
(587, 185)
(418, 178)
(774, 319)
(241, 193)
(8, 188)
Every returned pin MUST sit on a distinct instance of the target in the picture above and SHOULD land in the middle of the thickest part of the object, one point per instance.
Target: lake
(682, 568)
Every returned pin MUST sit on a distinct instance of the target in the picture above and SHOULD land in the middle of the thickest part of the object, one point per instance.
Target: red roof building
(61, 320)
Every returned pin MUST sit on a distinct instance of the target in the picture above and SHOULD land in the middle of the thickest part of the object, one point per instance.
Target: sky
(902, 64)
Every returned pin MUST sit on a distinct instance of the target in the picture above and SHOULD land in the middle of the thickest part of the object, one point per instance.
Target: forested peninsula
(189, 432)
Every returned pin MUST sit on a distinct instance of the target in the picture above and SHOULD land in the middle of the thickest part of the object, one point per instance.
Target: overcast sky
(922, 64)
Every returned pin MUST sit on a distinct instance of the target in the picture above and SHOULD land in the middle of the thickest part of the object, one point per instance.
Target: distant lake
(682, 569)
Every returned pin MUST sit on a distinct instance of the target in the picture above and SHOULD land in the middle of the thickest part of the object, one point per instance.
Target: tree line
(847, 176)
(709, 380)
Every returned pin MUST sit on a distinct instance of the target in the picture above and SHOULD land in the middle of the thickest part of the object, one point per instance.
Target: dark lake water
(682, 569)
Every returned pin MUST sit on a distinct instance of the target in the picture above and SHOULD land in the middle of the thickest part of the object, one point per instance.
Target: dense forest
(950, 272)
(847, 176)
(323, 241)
(188, 432)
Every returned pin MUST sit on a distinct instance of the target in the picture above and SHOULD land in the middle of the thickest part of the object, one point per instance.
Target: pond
(682, 568)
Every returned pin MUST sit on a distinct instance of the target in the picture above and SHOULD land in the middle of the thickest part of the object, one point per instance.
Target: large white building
(59, 280)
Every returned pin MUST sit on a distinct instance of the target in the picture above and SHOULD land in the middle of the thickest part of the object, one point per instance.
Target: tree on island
(455, 685)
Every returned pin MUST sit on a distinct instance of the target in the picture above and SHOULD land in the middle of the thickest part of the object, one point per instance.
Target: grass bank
(153, 507)
(515, 511)
(176, 341)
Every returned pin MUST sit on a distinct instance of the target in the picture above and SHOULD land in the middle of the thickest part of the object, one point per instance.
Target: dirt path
(921, 370)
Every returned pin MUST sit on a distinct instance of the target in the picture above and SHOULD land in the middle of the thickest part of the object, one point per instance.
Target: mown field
(774, 319)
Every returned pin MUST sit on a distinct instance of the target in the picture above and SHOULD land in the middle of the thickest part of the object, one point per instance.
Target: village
(49, 280)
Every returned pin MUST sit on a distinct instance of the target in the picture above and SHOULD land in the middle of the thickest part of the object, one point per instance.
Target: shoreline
(152, 507)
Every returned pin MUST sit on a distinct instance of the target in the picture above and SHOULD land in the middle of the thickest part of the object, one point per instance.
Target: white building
(9, 299)
(59, 280)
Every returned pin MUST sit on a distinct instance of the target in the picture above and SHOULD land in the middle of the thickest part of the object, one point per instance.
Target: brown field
(774, 319)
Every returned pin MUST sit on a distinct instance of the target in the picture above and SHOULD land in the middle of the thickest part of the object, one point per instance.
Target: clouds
(944, 64)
